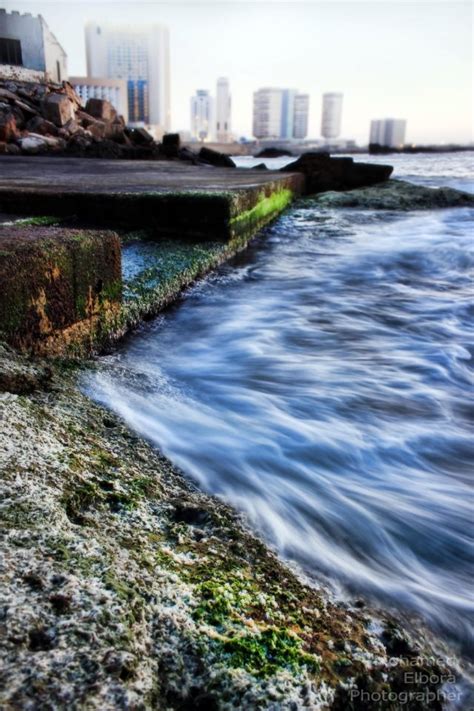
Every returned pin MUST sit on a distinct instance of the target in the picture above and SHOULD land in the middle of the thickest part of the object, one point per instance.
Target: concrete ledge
(172, 198)
(61, 289)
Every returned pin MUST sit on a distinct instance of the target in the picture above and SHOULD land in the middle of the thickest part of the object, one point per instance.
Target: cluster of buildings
(130, 67)
(388, 132)
(211, 118)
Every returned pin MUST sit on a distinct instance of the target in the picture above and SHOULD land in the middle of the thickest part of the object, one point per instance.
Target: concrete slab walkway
(172, 197)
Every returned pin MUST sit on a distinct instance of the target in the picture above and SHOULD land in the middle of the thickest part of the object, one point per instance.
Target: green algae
(39, 220)
(265, 208)
(267, 652)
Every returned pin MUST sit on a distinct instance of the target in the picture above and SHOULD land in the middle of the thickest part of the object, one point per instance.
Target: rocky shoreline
(125, 587)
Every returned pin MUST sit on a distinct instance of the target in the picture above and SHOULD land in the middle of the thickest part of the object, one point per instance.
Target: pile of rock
(45, 117)
(50, 118)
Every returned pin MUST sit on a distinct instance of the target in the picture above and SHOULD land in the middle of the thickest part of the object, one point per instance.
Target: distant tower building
(280, 114)
(267, 113)
(113, 90)
(223, 111)
(29, 50)
(331, 116)
(301, 112)
(201, 115)
(141, 57)
(388, 132)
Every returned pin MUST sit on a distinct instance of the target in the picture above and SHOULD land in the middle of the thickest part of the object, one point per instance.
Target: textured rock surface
(221, 160)
(59, 286)
(122, 587)
(58, 109)
(398, 195)
(324, 173)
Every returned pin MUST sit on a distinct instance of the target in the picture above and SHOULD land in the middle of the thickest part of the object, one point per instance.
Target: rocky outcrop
(398, 195)
(322, 172)
(59, 286)
(220, 160)
(273, 153)
(124, 587)
(170, 145)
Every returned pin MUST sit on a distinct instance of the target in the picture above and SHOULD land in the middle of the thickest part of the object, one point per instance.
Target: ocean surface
(322, 384)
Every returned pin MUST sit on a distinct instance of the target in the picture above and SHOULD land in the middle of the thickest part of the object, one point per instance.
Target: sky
(390, 58)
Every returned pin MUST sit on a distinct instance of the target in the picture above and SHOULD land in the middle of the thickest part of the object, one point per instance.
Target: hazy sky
(392, 58)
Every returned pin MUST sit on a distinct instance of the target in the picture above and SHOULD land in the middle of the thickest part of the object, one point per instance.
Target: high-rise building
(331, 115)
(113, 90)
(388, 132)
(28, 48)
(280, 114)
(223, 111)
(141, 57)
(202, 115)
(301, 112)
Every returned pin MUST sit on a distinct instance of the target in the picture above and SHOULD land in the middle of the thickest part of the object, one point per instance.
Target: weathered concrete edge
(190, 214)
(248, 211)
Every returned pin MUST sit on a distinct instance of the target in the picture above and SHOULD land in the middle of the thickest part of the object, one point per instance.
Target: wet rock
(58, 109)
(220, 160)
(398, 195)
(101, 109)
(273, 153)
(170, 145)
(324, 173)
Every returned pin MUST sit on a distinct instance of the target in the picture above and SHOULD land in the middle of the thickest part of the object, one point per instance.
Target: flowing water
(321, 383)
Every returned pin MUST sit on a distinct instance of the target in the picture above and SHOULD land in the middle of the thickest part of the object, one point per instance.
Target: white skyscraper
(388, 132)
(331, 116)
(202, 115)
(280, 114)
(223, 111)
(141, 57)
(301, 112)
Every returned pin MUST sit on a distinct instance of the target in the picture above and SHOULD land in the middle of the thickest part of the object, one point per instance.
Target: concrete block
(61, 288)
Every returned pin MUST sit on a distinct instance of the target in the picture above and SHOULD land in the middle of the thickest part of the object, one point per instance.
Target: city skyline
(430, 89)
